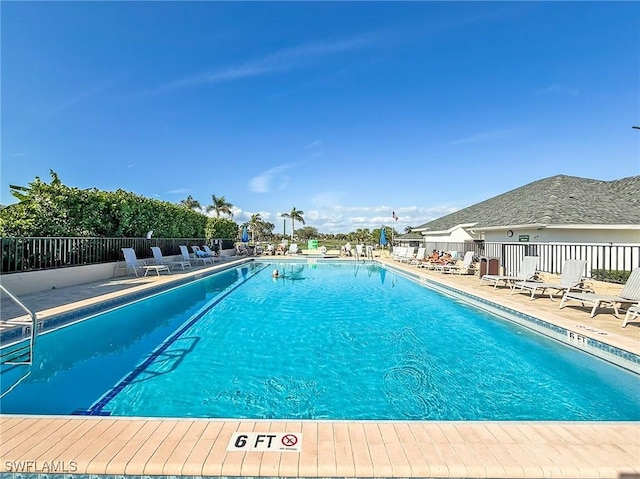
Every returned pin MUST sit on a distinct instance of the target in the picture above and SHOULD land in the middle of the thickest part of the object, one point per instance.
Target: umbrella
(383, 237)
(245, 235)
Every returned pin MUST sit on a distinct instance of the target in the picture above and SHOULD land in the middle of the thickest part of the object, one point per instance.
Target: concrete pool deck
(198, 447)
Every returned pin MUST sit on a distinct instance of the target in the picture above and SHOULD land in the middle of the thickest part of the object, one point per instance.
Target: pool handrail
(32, 337)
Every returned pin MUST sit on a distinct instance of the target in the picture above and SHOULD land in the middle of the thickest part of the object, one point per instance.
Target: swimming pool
(327, 341)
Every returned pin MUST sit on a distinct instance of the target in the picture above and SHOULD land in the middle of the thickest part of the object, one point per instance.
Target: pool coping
(145, 447)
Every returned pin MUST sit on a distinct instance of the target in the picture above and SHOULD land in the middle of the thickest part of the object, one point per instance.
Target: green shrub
(221, 228)
(58, 210)
(610, 276)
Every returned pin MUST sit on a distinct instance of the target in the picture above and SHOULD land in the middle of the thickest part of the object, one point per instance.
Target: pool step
(20, 353)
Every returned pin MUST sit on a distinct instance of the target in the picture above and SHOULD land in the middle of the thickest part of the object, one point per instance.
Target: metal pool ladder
(21, 355)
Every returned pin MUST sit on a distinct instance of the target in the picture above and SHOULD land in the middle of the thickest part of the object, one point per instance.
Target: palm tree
(255, 220)
(190, 203)
(220, 205)
(295, 215)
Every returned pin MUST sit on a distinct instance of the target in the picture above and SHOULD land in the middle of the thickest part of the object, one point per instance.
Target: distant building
(559, 209)
(410, 239)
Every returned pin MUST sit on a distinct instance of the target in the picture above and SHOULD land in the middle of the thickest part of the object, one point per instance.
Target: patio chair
(211, 253)
(630, 294)
(420, 255)
(293, 249)
(135, 264)
(409, 254)
(160, 260)
(465, 266)
(432, 261)
(187, 257)
(571, 279)
(398, 252)
(633, 314)
(202, 253)
(526, 272)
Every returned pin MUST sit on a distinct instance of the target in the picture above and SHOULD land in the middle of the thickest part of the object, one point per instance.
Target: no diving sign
(265, 442)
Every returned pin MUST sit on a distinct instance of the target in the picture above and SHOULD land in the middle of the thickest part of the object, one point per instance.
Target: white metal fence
(607, 257)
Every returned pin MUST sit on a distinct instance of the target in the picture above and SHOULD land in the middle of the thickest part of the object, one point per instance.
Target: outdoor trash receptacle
(312, 244)
(489, 266)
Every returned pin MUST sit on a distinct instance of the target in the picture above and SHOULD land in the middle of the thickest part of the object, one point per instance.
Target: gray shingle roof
(409, 236)
(558, 200)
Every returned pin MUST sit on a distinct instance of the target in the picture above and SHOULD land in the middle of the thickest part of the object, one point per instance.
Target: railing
(31, 254)
(606, 257)
(23, 355)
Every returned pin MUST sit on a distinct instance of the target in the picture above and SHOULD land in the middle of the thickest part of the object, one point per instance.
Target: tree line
(54, 209)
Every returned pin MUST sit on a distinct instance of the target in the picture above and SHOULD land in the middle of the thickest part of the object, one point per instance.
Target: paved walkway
(91, 445)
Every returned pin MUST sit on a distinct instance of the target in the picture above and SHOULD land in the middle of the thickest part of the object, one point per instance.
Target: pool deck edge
(198, 447)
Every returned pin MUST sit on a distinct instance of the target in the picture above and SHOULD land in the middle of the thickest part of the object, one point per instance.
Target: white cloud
(313, 145)
(559, 90)
(279, 61)
(484, 137)
(327, 199)
(84, 95)
(263, 183)
(344, 219)
(178, 191)
(337, 218)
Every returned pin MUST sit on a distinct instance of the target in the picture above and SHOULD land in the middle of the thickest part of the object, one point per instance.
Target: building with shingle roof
(556, 209)
(410, 239)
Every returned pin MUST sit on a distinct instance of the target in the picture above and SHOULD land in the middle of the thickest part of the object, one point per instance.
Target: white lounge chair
(630, 294)
(211, 253)
(281, 249)
(293, 249)
(440, 263)
(420, 255)
(187, 257)
(570, 279)
(526, 272)
(160, 260)
(203, 253)
(633, 314)
(135, 264)
(398, 252)
(409, 254)
(465, 266)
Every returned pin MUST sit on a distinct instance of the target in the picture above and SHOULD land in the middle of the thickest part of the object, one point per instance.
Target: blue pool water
(327, 341)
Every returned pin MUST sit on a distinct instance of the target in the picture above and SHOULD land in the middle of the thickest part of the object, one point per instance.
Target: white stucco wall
(549, 235)
(35, 281)
(457, 235)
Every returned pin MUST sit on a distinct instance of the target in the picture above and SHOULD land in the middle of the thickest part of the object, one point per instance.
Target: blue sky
(344, 110)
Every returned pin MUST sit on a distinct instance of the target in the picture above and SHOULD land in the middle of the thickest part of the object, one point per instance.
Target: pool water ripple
(340, 342)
